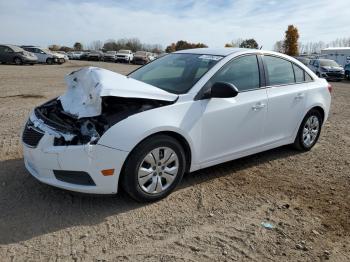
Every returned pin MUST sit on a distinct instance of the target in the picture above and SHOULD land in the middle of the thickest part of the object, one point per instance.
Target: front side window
(175, 73)
(243, 72)
(280, 71)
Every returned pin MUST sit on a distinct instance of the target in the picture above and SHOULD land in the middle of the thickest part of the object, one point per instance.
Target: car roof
(225, 51)
(14, 47)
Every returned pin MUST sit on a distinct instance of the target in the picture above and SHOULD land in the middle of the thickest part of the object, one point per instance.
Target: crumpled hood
(86, 86)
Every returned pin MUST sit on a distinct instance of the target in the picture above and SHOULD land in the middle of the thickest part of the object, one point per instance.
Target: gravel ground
(214, 215)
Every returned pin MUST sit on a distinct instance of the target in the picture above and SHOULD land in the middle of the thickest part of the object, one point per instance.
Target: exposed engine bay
(78, 131)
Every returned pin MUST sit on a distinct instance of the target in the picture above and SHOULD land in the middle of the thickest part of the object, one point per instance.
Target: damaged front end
(95, 100)
(70, 130)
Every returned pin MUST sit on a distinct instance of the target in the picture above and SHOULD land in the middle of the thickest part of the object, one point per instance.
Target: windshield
(175, 73)
(124, 51)
(111, 52)
(328, 63)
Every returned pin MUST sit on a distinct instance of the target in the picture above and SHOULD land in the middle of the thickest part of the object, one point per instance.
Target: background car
(328, 69)
(62, 54)
(124, 56)
(44, 55)
(12, 54)
(75, 55)
(142, 57)
(85, 55)
(95, 56)
(347, 71)
(110, 56)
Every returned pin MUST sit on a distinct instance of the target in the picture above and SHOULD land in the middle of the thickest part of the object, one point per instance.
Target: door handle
(258, 106)
(300, 96)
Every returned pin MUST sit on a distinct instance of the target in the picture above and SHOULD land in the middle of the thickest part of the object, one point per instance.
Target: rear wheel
(309, 131)
(347, 75)
(154, 168)
(18, 61)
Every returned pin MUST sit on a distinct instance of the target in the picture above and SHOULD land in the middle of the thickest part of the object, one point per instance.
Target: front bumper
(45, 159)
(333, 76)
(95, 58)
(122, 58)
(108, 58)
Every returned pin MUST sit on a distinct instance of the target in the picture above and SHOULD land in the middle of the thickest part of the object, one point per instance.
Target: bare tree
(279, 46)
(96, 45)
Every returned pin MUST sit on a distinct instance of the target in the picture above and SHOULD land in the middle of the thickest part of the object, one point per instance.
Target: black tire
(129, 179)
(299, 142)
(49, 61)
(18, 61)
(347, 75)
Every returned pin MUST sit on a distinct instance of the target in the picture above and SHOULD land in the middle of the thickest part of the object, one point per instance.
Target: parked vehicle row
(123, 56)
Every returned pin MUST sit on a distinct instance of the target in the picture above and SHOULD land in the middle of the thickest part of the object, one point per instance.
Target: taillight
(330, 88)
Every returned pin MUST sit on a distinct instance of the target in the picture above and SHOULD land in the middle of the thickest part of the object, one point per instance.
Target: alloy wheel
(310, 130)
(158, 170)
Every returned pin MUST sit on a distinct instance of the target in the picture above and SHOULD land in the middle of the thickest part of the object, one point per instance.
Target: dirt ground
(214, 215)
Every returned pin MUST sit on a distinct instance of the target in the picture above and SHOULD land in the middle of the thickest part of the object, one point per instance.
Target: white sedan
(182, 112)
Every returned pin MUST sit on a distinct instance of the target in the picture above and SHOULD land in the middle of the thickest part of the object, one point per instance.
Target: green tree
(78, 46)
(291, 41)
(249, 43)
(181, 45)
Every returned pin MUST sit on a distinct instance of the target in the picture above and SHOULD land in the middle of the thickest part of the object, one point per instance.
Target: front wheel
(154, 168)
(49, 61)
(347, 75)
(309, 131)
(18, 61)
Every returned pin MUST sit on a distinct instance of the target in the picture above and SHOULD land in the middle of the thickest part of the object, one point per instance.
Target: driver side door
(233, 127)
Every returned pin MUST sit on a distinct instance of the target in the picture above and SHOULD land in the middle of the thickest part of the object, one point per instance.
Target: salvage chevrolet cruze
(182, 112)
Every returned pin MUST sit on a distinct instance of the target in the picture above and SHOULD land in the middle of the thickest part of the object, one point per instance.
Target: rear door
(42, 56)
(7, 54)
(2, 54)
(286, 92)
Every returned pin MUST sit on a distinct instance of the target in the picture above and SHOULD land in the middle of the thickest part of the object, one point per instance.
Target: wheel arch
(320, 110)
(180, 138)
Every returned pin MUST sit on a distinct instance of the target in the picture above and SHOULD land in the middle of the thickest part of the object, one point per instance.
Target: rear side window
(243, 72)
(280, 71)
(299, 74)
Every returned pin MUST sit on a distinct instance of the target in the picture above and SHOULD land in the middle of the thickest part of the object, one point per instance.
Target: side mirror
(222, 90)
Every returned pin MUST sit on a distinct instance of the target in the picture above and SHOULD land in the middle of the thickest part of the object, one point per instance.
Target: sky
(213, 22)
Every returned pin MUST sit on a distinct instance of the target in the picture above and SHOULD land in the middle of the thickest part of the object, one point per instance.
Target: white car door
(231, 126)
(42, 56)
(286, 94)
